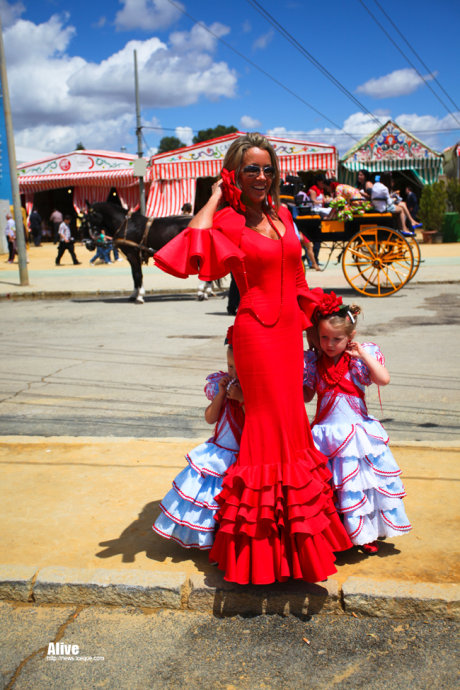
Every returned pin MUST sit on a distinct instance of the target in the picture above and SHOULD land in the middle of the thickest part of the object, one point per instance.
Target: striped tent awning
(173, 175)
(106, 178)
(212, 168)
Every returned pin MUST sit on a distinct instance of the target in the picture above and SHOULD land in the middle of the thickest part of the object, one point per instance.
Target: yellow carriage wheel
(414, 245)
(377, 261)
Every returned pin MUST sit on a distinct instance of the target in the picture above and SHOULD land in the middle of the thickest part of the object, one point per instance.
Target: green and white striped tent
(390, 148)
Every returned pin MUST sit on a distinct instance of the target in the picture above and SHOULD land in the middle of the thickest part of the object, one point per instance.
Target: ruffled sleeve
(211, 253)
(212, 384)
(309, 369)
(359, 370)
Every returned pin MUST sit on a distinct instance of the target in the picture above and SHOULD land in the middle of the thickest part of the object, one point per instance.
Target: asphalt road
(106, 367)
(137, 649)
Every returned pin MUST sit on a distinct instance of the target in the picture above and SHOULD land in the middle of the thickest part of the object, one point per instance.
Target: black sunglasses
(254, 170)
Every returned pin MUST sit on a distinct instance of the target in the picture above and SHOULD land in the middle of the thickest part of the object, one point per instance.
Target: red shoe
(370, 549)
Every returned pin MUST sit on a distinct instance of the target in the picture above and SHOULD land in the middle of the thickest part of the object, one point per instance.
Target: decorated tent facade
(391, 148)
(89, 174)
(173, 175)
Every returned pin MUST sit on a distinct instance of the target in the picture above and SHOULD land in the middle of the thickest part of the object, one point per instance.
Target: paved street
(105, 367)
(165, 649)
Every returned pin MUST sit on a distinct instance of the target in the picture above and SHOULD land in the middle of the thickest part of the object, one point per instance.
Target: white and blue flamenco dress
(188, 509)
(365, 477)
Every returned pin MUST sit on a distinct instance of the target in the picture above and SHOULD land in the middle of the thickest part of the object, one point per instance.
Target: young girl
(188, 509)
(365, 475)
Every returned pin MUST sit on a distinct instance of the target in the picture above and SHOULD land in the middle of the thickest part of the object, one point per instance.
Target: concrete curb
(84, 294)
(210, 593)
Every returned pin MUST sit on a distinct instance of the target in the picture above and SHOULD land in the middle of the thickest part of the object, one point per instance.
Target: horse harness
(144, 251)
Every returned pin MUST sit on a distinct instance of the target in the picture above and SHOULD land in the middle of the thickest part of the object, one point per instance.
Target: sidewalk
(76, 516)
(441, 264)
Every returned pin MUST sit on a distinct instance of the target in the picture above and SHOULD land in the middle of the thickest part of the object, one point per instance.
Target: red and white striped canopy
(173, 174)
(109, 178)
(205, 159)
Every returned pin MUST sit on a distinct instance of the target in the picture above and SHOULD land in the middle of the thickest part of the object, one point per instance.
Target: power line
(301, 49)
(416, 54)
(255, 65)
(341, 133)
(408, 60)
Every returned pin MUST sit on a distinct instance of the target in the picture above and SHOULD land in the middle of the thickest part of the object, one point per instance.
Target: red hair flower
(329, 304)
(232, 194)
(229, 337)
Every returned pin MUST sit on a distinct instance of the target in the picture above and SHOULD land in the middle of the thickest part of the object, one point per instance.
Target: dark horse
(136, 235)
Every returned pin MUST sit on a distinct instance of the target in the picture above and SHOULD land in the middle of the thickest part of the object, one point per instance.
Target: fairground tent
(390, 148)
(173, 175)
(89, 175)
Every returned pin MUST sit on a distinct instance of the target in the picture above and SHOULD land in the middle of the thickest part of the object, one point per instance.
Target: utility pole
(140, 170)
(20, 238)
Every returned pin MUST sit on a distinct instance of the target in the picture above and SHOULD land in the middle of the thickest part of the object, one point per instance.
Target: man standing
(10, 232)
(35, 224)
(66, 242)
(56, 219)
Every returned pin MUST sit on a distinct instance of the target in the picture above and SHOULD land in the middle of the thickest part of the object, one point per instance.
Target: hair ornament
(350, 316)
(232, 194)
(329, 304)
(229, 337)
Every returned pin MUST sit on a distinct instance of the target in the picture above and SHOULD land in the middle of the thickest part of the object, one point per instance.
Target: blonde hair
(342, 319)
(234, 158)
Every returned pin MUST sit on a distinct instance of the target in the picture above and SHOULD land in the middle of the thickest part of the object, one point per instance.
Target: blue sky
(70, 70)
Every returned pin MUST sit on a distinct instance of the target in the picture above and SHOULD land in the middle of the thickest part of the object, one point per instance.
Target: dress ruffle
(207, 252)
(365, 478)
(188, 509)
(278, 521)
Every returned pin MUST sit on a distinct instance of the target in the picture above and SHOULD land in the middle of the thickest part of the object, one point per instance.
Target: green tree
(453, 195)
(213, 133)
(169, 144)
(433, 204)
(80, 147)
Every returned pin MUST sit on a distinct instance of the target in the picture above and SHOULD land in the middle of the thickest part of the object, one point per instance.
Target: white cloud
(10, 12)
(58, 100)
(401, 82)
(101, 22)
(248, 123)
(262, 42)
(185, 134)
(246, 26)
(147, 15)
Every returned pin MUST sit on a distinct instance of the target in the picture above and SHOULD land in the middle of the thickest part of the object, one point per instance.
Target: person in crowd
(102, 248)
(317, 196)
(56, 219)
(188, 509)
(347, 201)
(66, 242)
(186, 209)
(412, 201)
(276, 517)
(35, 224)
(365, 476)
(10, 233)
(364, 184)
(383, 203)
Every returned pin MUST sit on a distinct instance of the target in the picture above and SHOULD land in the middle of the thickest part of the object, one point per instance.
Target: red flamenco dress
(276, 518)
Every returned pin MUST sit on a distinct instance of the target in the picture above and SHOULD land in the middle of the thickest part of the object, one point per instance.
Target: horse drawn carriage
(377, 260)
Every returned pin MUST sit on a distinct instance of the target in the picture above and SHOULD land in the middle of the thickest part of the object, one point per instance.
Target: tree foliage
(80, 147)
(213, 133)
(433, 203)
(453, 195)
(169, 144)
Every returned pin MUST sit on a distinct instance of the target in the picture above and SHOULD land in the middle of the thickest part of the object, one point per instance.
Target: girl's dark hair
(341, 318)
